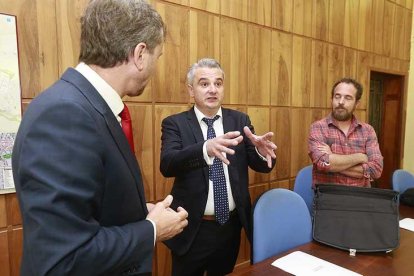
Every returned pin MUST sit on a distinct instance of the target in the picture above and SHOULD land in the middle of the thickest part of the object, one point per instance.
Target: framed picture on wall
(10, 95)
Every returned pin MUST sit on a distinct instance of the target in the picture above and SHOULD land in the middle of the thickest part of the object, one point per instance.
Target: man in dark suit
(77, 180)
(199, 145)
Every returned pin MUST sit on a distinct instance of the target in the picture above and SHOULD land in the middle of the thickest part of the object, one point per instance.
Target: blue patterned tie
(216, 175)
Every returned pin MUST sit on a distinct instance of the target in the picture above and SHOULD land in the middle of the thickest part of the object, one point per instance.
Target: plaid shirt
(361, 138)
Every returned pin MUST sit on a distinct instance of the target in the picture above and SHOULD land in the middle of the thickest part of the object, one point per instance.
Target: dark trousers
(214, 250)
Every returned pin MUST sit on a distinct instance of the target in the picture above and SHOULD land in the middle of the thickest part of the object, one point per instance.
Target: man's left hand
(263, 144)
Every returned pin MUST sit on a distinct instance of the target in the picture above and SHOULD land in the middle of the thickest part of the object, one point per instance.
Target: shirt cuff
(209, 160)
(155, 229)
(366, 171)
(261, 156)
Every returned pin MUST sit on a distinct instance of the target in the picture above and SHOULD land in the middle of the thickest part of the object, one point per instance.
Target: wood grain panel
(365, 25)
(335, 67)
(319, 81)
(257, 190)
(364, 61)
(407, 34)
(280, 125)
(302, 17)
(261, 121)
(15, 237)
(206, 5)
(181, 2)
(13, 210)
(233, 56)
(350, 63)
(235, 8)
(68, 31)
(168, 84)
(146, 96)
(260, 12)
(301, 71)
(336, 21)
(164, 261)
(162, 185)
(284, 184)
(409, 4)
(204, 36)
(320, 19)
(351, 23)
(3, 213)
(281, 69)
(397, 45)
(142, 118)
(244, 251)
(258, 53)
(378, 7)
(4, 253)
(282, 15)
(389, 14)
(400, 2)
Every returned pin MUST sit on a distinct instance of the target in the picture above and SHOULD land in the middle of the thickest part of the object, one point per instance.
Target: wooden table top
(399, 262)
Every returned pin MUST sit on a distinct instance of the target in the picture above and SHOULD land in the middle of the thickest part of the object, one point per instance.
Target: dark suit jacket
(79, 187)
(182, 158)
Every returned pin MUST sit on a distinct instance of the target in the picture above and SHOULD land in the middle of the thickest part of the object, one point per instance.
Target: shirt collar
(110, 96)
(200, 114)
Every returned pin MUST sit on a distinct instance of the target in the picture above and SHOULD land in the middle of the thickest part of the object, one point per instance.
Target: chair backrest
(303, 186)
(402, 180)
(281, 221)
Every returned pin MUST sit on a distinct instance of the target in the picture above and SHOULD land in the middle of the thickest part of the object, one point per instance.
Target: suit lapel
(90, 93)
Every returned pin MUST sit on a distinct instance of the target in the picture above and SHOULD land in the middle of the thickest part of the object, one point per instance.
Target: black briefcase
(356, 219)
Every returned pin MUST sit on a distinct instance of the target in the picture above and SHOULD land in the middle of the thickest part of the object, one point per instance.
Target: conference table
(399, 262)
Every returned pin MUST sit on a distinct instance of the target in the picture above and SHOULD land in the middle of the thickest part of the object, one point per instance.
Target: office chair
(402, 180)
(303, 186)
(281, 221)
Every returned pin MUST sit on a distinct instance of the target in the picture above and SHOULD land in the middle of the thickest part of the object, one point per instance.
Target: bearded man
(344, 150)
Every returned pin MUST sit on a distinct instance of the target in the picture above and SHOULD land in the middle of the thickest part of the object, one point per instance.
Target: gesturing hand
(169, 222)
(263, 144)
(219, 145)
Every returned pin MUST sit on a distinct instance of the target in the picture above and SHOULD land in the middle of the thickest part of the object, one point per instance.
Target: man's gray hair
(202, 63)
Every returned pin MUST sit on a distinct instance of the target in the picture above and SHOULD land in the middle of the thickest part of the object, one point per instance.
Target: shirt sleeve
(373, 168)
(316, 137)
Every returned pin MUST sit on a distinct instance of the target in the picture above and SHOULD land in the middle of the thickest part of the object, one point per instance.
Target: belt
(213, 217)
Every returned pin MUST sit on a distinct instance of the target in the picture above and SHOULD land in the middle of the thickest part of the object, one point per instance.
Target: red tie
(127, 126)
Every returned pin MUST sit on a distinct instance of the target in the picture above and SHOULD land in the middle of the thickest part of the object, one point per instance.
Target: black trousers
(214, 250)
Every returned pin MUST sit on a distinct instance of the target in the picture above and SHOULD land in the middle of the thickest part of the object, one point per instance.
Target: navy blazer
(182, 158)
(79, 187)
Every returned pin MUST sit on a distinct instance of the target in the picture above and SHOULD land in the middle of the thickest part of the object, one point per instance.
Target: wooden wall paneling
(235, 8)
(389, 14)
(302, 17)
(257, 190)
(350, 63)
(364, 63)
(204, 36)
(162, 185)
(15, 238)
(244, 251)
(301, 71)
(280, 120)
(68, 31)
(163, 261)
(301, 119)
(336, 21)
(259, 42)
(361, 115)
(397, 46)
(147, 95)
(407, 35)
(378, 7)
(320, 19)
(260, 12)
(3, 212)
(409, 4)
(206, 5)
(404, 66)
(380, 61)
(319, 80)
(142, 127)
(180, 2)
(169, 84)
(13, 210)
(365, 25)
(281, 69)
(335, 68)
(351, 23)
(280, 184)
(233, 57)
(400, 2)
(282, 15)
(4, 252)
(260, 118)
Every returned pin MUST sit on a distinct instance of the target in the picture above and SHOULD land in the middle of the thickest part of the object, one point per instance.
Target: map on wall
(10, 98)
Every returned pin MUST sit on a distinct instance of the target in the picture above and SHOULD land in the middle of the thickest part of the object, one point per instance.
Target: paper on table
(407, 223)
(300, 263)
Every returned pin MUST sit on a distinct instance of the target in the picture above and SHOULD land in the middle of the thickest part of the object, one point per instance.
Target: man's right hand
(169, 222)
(219, 145)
